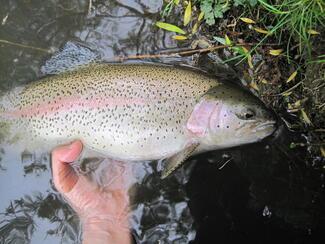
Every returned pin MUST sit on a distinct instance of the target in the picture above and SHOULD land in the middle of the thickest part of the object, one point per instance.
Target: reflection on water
(32, 210)
(261, 193)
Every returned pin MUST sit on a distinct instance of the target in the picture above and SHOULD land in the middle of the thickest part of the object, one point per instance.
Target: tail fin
(10, 130)
(4, 132)
(4, 122)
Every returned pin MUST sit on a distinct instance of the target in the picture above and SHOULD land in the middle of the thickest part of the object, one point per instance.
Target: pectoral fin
(176, 161)
(88, 161)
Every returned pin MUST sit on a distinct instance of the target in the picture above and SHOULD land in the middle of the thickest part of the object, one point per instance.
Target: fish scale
(127, 112)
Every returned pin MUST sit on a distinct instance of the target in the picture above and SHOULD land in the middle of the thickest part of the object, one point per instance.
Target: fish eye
(246, 115)
(249, 115)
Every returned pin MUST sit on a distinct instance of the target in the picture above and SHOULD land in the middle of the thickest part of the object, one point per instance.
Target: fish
(134, 112)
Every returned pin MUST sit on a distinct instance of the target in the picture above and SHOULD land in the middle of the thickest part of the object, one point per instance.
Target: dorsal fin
(70, 57)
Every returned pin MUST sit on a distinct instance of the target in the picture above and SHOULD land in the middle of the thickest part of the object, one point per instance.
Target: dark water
(260, 193)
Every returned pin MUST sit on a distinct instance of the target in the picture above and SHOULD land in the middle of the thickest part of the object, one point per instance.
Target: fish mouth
(266, 126)
(261, 129)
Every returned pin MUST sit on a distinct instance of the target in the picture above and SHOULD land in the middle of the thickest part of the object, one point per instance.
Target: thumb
(64, 176)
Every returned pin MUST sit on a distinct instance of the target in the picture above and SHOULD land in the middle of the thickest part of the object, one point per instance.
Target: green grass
(294, 23)
(298, 18)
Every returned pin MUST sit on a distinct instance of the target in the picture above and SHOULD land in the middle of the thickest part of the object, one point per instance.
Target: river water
(260, 193)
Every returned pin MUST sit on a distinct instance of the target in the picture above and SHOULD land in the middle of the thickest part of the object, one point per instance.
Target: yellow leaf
(292, 76)
(187, 14)
(170, 27)
(261, 30)
(286, 94)
(201, 15)
(305, 117)
(264, 81)
(249, 60)
(322, 150)
(179, 37)
(247, 20)
(276, 52)
(254, 85)
(297, 104)
(245, 49)
(176, 2)
(249, 57)
(227, 40)
(313, 32)
(195, 27)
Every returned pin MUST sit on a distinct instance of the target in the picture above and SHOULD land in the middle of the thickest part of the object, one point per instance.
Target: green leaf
(253, 2)
(220, 8)
(239, 2)
(241, 50)
(228, 41)
(220, 40)
(206, 8)
(210, 19)
(218, 11)
(170, 27)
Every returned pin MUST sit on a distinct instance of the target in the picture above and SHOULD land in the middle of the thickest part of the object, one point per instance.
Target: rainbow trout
(134, 112)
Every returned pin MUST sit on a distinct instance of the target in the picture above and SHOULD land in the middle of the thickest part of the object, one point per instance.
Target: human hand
(103, 210)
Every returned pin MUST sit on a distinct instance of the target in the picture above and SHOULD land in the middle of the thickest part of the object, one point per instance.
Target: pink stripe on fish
(72, 103)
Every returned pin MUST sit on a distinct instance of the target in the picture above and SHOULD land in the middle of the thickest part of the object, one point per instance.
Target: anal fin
(177, 160)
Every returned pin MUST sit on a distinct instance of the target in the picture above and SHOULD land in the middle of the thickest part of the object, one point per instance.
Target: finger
(64, 176)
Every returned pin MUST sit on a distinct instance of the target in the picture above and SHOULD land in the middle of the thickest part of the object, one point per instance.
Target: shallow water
(260, 193)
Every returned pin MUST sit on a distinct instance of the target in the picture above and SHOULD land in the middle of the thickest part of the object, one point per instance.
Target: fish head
(233, 117)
